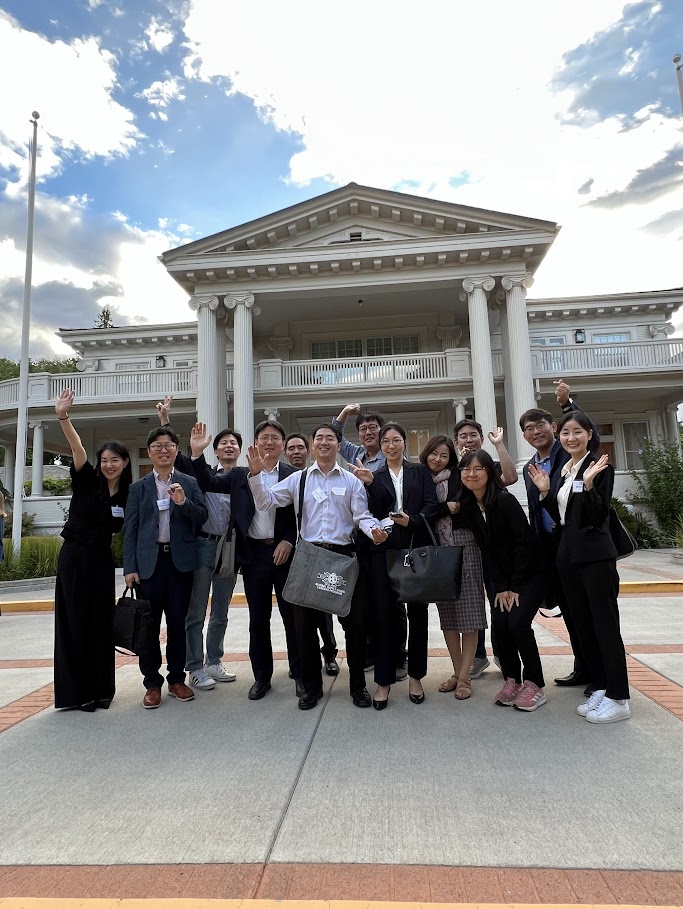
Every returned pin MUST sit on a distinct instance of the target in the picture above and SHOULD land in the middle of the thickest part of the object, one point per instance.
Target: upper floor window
(132, 367)
(353, 348)
(387, 347)
(619, 337)
(336, 350)
(551, 342)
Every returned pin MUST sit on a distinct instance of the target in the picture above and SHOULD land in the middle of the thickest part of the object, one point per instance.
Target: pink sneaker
(508, 693)
(530, 697)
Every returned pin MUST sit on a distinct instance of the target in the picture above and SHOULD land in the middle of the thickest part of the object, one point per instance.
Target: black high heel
(381, 705)
(417, 698)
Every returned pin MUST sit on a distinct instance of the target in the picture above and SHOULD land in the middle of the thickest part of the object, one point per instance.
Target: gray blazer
(141, 526)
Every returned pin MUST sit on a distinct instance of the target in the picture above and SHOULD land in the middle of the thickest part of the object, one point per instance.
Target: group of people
(175, 517)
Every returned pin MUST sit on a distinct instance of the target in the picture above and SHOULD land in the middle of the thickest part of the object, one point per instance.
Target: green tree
(9, 369)
(660, 487)
(104, 320)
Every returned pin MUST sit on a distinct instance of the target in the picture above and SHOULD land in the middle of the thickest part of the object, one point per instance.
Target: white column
(519, 354)
(222, 374)
(459, 404)
(207, 367)
(511, 429)
(38, 448)
(480, 353)
(243, 376)
(671, 427)
(10, 455)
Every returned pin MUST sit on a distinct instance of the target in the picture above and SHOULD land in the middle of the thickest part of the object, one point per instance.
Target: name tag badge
(117, 511)
(339, 490)
(577, 486)
(319, 496)
(163, 504)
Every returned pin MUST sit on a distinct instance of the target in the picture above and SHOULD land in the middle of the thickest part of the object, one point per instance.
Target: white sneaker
(200, 680)
(592, 702)
(479, 664)
(609, 711)
(218, 673)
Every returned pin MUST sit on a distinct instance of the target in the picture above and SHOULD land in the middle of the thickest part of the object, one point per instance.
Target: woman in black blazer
(400, 491)
(586, 560)
(504, 536)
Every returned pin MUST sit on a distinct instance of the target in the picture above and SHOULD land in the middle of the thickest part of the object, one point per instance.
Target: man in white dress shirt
(334, 505)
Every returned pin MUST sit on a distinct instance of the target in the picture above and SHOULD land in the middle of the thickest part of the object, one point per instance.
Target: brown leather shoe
(181, 692)
(152, 698)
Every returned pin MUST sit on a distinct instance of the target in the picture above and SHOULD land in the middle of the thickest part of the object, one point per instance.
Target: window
(617, 338)
(417, 439)
(346, 349)
(323, 350)
(606, 431)
(132, 367)
(387, 347)
(635, 434)
(610, 357)
(552, 360)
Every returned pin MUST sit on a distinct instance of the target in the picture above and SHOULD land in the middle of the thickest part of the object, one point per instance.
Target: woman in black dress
(84, 590)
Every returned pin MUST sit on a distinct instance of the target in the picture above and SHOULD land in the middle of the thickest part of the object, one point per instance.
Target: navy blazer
(419, 496)
(141, 526)
(242, 504)
(585, 536)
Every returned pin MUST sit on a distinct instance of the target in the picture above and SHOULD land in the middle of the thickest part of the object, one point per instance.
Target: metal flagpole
(22, 406)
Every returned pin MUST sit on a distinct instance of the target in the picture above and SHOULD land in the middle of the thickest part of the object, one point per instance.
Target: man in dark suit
(539, 429)
(264, 544)
(163, 514)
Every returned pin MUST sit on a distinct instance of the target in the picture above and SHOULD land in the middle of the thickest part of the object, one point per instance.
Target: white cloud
(71, 86)
(457, 89)
(160, 94)
(159, 35)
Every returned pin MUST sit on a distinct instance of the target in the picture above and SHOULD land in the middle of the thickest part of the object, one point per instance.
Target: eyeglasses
(165, 446)
(532, 427)
(269, 439)
(477, 471)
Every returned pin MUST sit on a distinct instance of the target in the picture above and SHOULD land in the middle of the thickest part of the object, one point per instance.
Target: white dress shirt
(262, 526)
(397, 480)
(163, 495)
(568, 475)
(334, 503)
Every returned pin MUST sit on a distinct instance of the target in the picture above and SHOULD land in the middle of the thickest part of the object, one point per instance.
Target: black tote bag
(131, 624)
(425, 574)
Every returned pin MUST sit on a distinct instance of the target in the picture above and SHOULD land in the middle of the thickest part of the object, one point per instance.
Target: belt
(348, 549)
(266, 542)
(165, 547)
(208, 536)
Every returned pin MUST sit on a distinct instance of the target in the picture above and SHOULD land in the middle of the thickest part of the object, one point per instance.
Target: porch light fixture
(161, 362)
(579, 336)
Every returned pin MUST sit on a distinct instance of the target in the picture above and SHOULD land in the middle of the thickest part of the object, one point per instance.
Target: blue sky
(164, 122)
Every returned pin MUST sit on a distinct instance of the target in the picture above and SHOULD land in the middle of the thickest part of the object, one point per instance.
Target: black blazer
(585, 536)
(242, 504)
(419, 496)
(504, 539)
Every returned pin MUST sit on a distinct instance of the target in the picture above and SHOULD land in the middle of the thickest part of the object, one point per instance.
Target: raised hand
(593, 470)
(561, 391)
(64, 402)
(254, 460)
(496, 435)
(363, 473)
(199, 440)
(164, 410)
(539, 478)
(177, 493)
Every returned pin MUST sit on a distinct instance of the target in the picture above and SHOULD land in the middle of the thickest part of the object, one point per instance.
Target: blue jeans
(218, 619)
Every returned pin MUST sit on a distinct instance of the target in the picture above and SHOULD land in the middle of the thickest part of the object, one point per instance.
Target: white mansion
(410, 306)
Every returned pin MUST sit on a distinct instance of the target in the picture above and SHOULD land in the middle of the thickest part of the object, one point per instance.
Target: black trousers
(515, 639)
(591, 590)
(329, 642)
(261, 577)
(169, 591)
(555, 594)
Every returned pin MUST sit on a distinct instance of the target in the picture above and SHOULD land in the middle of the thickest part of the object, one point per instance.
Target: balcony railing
(630, 356)
(363, 370)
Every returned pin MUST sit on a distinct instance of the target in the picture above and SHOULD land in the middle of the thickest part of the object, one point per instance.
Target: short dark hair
(274, 424)
(584, 422)
(126, 478)
(297, 435)
(370, 417)
(433, 444)
(227, 432)
(395, 426)
(327, 426)
(468, 421)
(160, 431)
(535, 415)
(493, 481)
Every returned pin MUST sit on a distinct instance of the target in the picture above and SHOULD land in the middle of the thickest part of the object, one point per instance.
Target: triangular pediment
(341, 215)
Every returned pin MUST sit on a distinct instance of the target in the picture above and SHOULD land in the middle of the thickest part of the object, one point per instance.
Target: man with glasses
(468, 435)
(264, 551)
(164, 512)
(539, 428)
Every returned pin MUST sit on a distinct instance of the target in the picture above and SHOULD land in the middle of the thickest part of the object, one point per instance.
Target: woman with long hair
(403, 493)
(586, 561)
(461, 618)
(84, 591)
(504, 536)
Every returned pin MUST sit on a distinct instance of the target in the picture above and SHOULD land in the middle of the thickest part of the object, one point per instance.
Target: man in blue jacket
(164, 512)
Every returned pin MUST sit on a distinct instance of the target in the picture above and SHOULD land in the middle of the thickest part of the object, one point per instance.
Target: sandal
(463, 689)
(450, 684)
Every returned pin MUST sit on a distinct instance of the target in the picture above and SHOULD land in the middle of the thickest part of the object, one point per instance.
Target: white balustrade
(364, 370)
(629, 356)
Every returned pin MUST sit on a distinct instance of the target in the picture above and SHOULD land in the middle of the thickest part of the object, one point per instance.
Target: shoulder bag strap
(429, 529)
(302, 484)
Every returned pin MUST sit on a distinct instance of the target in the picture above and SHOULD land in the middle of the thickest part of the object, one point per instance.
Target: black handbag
(624, 541)
(131, 624)
(425, 574)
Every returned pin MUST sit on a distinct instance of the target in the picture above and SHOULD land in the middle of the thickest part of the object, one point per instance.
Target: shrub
(38, 559)
(52, 486)
(660, 487)
(27, 522)
(646, 536)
